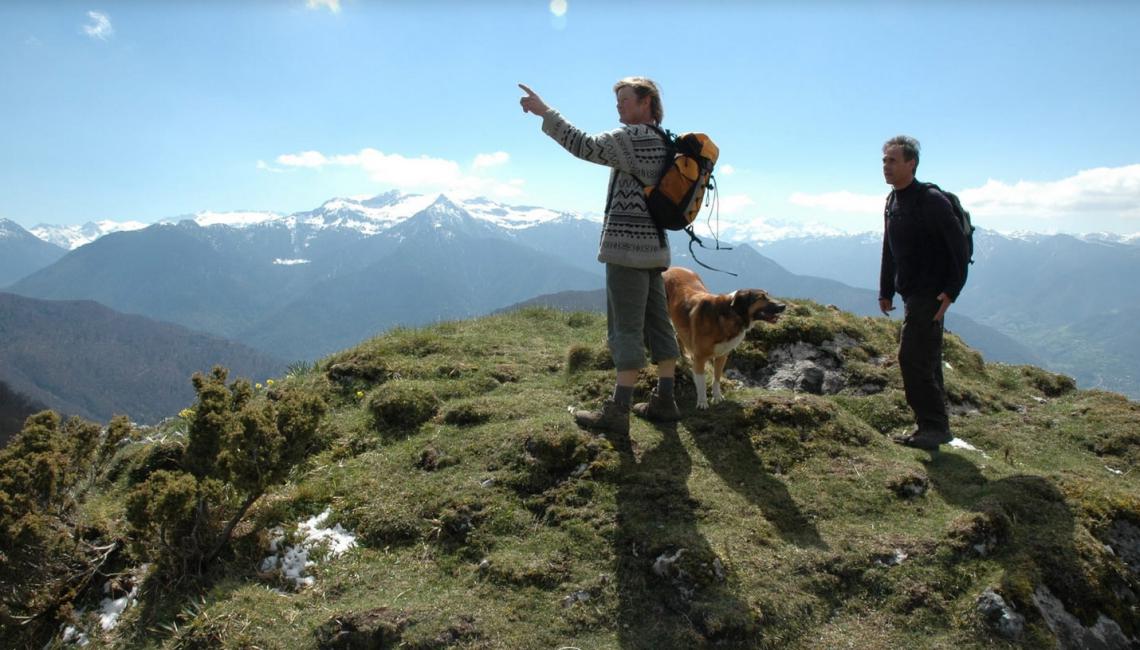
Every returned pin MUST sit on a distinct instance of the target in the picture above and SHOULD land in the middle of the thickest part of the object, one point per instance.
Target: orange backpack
(675, 200)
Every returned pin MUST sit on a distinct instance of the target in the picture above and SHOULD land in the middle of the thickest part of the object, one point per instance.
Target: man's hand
(945, 305)
(886, 305)
(532, 103)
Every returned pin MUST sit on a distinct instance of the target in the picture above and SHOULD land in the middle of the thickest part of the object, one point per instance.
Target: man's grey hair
(910, 147)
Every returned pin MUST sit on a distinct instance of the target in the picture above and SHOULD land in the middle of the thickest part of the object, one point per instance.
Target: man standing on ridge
(631, 247)
(924, 260)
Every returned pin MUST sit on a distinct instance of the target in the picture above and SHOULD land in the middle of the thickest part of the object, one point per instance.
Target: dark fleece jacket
(924, 250)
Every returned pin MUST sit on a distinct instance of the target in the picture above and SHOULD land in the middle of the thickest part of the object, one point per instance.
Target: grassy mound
(484, 518)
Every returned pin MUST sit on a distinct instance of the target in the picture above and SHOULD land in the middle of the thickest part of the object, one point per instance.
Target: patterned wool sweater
(629, 236)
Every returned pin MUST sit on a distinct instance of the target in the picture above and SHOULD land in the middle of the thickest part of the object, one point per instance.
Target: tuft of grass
(399, 408)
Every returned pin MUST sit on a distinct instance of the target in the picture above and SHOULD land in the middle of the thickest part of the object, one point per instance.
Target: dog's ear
(742, 302)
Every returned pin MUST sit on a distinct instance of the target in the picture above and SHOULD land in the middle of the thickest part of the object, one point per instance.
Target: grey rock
(1000, 616)
(1124, 539)
(1105, 634)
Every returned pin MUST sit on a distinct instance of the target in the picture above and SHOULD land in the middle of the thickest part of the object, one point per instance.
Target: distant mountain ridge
(72, 237)
(1065, 297)
(308, 283)
(303, 285)
(81, 358)
(21, 252)
(14, 411)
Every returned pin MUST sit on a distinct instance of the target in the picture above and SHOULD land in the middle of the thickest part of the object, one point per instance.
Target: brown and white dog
(710, 325)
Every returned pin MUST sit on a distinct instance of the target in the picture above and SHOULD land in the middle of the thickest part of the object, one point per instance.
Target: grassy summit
(484, 518)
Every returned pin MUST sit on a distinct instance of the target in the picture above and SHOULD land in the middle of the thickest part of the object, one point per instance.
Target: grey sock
(623, 395)
(665, 386)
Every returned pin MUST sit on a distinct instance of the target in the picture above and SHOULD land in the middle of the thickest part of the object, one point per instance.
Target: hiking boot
(658, 409)
(928, 439)
(610, 417)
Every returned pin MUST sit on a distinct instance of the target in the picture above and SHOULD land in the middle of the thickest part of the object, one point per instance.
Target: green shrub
(43, 469)
(1050, 384)
(165, 454)
(238, 446)
(119, 430)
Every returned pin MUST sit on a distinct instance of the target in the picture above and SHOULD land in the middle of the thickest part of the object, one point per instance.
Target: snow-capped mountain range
(366, 216)
(369, 216)
(72, 237)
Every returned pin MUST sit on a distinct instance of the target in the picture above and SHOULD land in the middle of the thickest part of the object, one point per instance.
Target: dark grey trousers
(920, 360)
(638, 317)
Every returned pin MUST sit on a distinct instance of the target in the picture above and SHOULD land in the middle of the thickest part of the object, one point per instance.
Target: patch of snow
(111, 608)
(895, 558)
(71, 635)
(512, 217)
(74, 236)
(293, 262)
(292, 561)
(235, 219)
(764, 231)
(962, 444)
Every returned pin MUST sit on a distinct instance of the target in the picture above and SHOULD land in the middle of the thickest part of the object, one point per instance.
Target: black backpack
(960, 213)
(963, 219)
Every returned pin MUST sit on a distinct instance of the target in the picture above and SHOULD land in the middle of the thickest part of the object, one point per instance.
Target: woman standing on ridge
(631, 247)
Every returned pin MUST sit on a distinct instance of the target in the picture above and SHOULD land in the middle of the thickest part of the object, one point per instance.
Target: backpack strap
(668, 138)
(693, 239)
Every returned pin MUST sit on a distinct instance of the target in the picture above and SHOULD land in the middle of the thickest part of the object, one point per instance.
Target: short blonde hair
(644, 87)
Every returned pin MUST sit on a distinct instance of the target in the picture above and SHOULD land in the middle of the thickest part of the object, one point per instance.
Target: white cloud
(492, 159)
(734, 203)
(559, 7)
(842, 201)
(331, 5)
(413, 174)
(261, 164)
(397, 170)
(100, 26)
(726, 170)
(304, 159)
(1099, 192)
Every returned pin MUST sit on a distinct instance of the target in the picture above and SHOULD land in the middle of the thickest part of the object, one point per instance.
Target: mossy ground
(772, 520)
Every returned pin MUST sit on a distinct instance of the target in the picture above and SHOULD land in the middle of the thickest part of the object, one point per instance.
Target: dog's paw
(702, 405)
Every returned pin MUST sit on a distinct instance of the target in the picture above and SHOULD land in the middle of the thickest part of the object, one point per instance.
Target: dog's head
(754, 304)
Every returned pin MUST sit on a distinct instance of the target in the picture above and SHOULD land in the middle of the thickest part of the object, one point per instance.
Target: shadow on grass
(1025, 524)
(735, 460)
(673, 589)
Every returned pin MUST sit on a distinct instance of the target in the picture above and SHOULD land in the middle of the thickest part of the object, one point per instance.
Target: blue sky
(148, 110)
